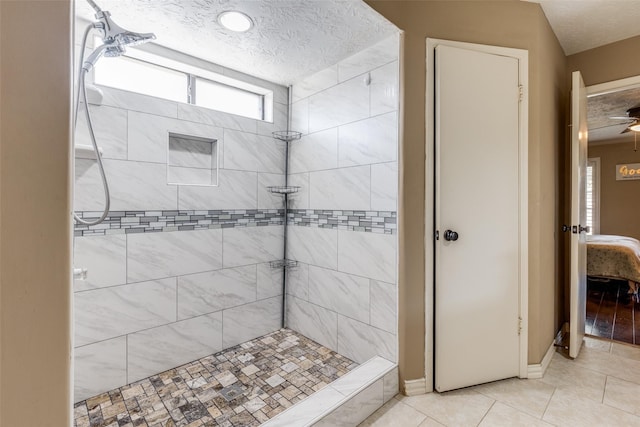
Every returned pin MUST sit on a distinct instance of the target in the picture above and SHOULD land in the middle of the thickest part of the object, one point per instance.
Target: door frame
(613, 86)
(577, 239)
(429, 242)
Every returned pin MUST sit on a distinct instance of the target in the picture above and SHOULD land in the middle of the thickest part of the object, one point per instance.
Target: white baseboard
(538, 370)
(415, 387)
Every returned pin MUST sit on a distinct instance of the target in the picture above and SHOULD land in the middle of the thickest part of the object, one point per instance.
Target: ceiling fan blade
(622, 118)
(625, 130)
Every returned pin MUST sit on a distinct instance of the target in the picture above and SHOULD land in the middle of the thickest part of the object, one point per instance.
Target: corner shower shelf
(283, 189)
(286, 135)
(286, 263)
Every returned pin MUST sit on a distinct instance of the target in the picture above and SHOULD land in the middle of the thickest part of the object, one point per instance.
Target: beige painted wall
(511, 24)
(0, 214)
(619, 200)
(35, 308)
(606, 63)
(547, 314)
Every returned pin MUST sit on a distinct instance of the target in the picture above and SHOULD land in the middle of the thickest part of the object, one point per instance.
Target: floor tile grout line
(487, 413)
(546, 409)
(614, 407)
(510, 405)
(424, 413)
(616, 376)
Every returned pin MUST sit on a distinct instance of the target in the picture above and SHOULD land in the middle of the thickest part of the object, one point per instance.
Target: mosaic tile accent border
(242, 386)
(368, 221)
(121, 222)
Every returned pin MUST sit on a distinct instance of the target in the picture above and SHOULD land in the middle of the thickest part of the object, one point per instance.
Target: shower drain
(231, 392)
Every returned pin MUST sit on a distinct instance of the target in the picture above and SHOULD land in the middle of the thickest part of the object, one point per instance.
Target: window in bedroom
(593, 195)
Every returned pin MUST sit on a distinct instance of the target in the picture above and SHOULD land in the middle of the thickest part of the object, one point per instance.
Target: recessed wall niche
(192, 160)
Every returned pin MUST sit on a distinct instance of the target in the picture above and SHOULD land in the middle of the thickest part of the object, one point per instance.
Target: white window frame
(594, 162)
(193, 95)
(159, 67)
(192, 71)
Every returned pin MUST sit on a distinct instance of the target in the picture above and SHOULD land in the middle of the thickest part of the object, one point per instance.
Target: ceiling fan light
(635, 126)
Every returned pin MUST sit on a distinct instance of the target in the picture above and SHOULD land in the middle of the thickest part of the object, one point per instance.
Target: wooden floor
(611, 312)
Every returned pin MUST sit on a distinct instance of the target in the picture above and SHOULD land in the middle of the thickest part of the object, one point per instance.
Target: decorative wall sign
(627, 171)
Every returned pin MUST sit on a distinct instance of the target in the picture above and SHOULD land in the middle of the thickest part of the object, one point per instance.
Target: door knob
(450, 235)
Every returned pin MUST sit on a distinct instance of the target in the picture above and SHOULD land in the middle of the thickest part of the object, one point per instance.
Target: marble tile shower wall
(343, 293)
(156, 300)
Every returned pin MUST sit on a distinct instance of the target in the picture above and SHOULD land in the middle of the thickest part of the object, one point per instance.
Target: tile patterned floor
(600, 388)
(241, 386)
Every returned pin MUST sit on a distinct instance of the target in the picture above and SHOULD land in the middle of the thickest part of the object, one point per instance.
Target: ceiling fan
(633, 119)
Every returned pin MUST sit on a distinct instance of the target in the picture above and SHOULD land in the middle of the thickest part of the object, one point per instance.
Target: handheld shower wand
(115, 39)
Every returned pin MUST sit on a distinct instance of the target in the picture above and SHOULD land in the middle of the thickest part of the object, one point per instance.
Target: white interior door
(477, 191)
(579, 135)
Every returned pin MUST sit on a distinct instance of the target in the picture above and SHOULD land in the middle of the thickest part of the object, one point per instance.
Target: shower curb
(347, 401)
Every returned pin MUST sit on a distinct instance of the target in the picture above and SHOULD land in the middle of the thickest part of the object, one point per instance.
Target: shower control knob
(80, 273)
(450, 236)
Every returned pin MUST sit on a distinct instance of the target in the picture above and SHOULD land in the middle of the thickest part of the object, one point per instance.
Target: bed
(614, 257)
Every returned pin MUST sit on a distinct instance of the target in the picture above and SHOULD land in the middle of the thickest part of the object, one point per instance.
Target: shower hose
(82, 89)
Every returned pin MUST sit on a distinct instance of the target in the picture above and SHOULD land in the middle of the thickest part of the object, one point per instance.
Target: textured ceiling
(601, 108)
(290, 39)
(585, 24)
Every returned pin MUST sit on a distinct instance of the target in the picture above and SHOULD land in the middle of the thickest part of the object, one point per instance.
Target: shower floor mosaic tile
(241, 386)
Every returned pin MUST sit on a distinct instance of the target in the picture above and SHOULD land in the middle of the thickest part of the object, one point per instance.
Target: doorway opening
(613, 247)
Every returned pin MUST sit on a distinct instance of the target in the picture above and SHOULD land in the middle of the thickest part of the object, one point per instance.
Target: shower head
(115, 38)
(113, 34)
(109, 51)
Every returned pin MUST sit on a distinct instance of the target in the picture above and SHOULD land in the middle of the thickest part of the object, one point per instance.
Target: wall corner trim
(537, 370)
(415, 387)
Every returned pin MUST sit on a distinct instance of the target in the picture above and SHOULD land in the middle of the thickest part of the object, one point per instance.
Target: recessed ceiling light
(235, 21)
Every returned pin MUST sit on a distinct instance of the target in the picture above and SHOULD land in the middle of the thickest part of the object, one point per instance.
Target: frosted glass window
(142, 77)
(228, 99)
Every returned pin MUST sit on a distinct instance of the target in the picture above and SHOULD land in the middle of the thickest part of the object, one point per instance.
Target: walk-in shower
(251, 175)
(115, 39)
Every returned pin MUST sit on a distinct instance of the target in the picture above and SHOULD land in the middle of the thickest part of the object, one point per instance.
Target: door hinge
(520, 93)
(519, 325)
